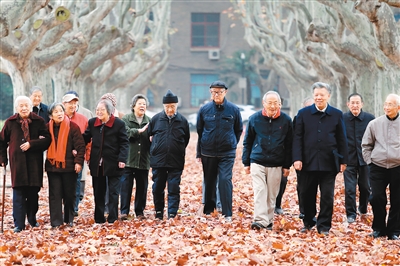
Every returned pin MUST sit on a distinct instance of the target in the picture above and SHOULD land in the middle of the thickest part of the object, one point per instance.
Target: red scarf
(278, 113)
(25, 127)
(57, 151)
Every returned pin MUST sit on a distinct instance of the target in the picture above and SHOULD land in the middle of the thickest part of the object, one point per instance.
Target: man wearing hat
(169, 135)
(219, 126)
(70, 102)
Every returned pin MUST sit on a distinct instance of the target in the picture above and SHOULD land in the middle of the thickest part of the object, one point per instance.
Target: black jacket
(42, 112)
(355, 128)
(169, 140)
(110, 143)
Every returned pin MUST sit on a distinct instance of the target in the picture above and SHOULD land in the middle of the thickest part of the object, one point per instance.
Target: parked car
(245, 110)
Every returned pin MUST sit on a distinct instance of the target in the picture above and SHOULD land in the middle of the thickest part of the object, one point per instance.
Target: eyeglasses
(272, 104)
(217, 92)
(390, 105)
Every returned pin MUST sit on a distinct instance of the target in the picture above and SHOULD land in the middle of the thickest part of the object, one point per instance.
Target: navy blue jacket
(268, 141)
(355, 128)
(219, 128)
(170, 138)
(317, 135)
(43, 112)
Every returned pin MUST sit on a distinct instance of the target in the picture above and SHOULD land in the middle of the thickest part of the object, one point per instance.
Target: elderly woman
(26, 136)
(64, 161)
(138, 163)
(108, 156)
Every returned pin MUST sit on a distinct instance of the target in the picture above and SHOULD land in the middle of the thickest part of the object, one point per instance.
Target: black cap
(218, 84)
(170, 97)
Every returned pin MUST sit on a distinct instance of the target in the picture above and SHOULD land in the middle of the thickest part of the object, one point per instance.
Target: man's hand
(121, 165)
(285, 172)
(247, 169)
(298, 165)
(74, 153)
(78, 168)
(342, 167)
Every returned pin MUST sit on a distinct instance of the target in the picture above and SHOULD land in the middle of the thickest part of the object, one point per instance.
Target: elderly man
(39, 108)
(169, 134)
(27, 137)
(267, 152)
(70, 102)
(219, 127)
(356, 121)
(319, 152)
(381, 151)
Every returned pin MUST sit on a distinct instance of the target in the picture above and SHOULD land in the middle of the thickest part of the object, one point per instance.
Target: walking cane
(2, 201)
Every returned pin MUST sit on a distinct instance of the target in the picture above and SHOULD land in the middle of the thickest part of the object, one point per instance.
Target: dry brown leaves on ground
(194, 239)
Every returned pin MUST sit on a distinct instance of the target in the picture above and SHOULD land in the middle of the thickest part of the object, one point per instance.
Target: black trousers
(352, 176)
(99, 191)
(380, 179)
(142, 182)
(25, 204)
(162, 176)
(62, 188)
(282, 189)
(300, 191)
(326, 183)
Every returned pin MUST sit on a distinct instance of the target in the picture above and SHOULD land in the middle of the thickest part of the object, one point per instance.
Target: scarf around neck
(56, 152)
(278, 113)
(25, 127)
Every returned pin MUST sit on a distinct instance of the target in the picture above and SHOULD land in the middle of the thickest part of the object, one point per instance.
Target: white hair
(21, 98)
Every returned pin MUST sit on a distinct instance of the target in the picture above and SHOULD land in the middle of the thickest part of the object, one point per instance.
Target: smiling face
(36, 97)
(70, 107)
(58, 114)
(23, 108)
(391, 106)
(355, 104)
(321, 97)
(271, 104)
(140, 107)
(101, 112)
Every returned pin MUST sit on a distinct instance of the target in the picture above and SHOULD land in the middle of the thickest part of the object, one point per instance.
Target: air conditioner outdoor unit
(213, 54)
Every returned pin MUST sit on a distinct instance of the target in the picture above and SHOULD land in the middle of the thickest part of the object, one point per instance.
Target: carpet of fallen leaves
(193, 238)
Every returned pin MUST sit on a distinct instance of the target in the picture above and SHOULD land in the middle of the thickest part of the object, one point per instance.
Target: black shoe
(301, 216)
(257, 226)
(269, 227)
(306, 228)
(75, 213)
(171, 215)
(393, 237)
(71, 224)
(325, 233)
(17, 230)
(278, 211)
(377, 234)
(35, 225)
(123, 217)
(159, 215)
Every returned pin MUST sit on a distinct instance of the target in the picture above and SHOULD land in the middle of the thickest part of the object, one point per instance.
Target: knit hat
(218, 84)
(111, 97)
(170, 97)
(137, 97)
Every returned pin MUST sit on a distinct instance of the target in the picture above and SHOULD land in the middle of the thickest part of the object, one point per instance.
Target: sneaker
(301, 216)
(17, 230)
(350, 220)
(35, 225)
(269, 227)
(171, 215)
(159, 215)
(228, 219)
(140, 217)
(76, 213)
(325, 233)
(219, 209)
(305, 229)
(278, 211)
(257, 226)
(124, 217)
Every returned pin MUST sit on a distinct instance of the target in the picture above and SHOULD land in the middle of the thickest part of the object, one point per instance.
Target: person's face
(355, 104)
(58, 114)
(101, 112)
(218, 95)
(36, 98)
(390, 107)
(70, 107)
(321, 97)
(24, 108)
(140, 107)
(271, 104)
(170, 108)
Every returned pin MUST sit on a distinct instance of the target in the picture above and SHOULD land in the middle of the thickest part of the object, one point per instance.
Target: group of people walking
(120, 149)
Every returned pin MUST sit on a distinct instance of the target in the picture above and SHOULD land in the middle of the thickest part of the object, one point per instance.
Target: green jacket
(139, 144)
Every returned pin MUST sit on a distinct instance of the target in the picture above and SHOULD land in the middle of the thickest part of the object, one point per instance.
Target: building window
(397, 16)
(200, 84)
(205, 29)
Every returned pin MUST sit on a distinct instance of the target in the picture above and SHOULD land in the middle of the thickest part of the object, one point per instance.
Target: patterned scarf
(25, 127)
(57, 151)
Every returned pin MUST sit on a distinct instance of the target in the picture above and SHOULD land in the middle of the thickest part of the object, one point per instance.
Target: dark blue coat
(44, 112)
(317, 135)
(355, 128)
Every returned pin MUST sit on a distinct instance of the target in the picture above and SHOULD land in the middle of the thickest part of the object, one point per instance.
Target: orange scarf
(56, 152)
(278, 113)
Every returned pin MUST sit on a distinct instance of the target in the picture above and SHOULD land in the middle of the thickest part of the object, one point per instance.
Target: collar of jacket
(109, 123)
(359, 117)
(219, 106)
(132, 118)
(315, 111)
(32, 116)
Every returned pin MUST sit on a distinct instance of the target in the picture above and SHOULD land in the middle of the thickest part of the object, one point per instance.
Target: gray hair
(20, 98)
(397, 98)
(35, 88)
(53, 106)
(108, 104)
(272, 92)
(136, 98)
(321, 85)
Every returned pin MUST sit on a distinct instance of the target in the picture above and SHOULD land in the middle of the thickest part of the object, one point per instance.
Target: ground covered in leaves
(195, 239)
